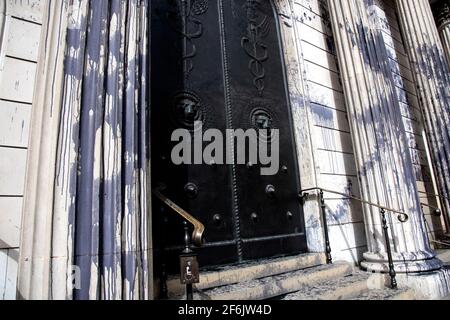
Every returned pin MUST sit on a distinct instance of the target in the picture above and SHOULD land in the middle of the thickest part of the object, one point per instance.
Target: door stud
(217, 219)
(191, 190)
(270, 191)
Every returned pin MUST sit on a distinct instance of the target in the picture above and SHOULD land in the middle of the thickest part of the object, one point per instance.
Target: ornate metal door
(220, 62)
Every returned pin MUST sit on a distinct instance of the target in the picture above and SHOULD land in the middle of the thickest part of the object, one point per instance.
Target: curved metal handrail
(402, 217)
(441, 243)
(199, 228)
(436, 211)
(434, 195)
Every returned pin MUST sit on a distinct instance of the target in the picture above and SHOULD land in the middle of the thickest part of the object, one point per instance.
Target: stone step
(387, 294)
(246, 272)
(343, 288)
(277, 285)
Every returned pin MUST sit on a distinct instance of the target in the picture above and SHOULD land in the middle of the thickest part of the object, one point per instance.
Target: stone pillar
(442, 15)
(381, 150)
(35, 280)
(2, 19)
(431, 73)
(3, 29)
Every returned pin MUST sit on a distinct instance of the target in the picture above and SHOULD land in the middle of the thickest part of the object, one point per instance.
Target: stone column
(431, 73)
(3, 29)
(35, 280)
(381, 150)
(2, 20)
(442, 15)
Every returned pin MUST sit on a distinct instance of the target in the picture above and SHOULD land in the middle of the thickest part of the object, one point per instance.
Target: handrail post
(164, 288)
(392, 272)
(325, 228)
(163, 285)
(188, 250)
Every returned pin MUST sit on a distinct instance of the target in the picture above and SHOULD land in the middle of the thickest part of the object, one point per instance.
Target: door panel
(220, 62)
(188, 73)
(258, 88)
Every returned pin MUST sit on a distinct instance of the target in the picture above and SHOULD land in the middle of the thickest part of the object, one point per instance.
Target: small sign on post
(190, 270)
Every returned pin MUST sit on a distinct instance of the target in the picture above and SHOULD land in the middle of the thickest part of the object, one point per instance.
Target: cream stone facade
(368, 87)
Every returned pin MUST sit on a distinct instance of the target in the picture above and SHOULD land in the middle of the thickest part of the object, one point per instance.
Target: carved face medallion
(186, 110)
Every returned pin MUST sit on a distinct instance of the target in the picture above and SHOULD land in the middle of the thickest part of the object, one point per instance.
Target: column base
(433, 285)
(429, 285)
(416, 262)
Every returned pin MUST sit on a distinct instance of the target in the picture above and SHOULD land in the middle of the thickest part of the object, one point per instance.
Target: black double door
(220, 62)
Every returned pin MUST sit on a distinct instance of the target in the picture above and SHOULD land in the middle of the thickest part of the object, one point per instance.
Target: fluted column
(36, 242)
(3, 27)
(381, 149)
(431, 74)
(442, 15)
(2, 20)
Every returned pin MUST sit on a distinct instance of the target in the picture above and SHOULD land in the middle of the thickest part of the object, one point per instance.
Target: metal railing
(442, 243)
(199, 228)
(434, 195)
(441, 197)
(402, 217)
(436, 211)
(197, 237)
(189, 270)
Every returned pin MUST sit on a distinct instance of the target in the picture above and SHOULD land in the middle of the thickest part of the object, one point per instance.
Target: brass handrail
(199, 228)
(402, 217)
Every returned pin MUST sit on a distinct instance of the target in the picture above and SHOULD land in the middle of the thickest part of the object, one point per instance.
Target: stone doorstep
(343, 288)
(358, 286)
(275, 286)
(387, 294)
(241, 273)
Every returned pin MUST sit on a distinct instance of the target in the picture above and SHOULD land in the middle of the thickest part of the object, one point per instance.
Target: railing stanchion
(188, 250)
(392, 272)
(325, 228)
(163, 284)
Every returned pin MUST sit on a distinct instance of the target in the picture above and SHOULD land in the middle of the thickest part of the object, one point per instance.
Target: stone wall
(20, 32)
(329, 132)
